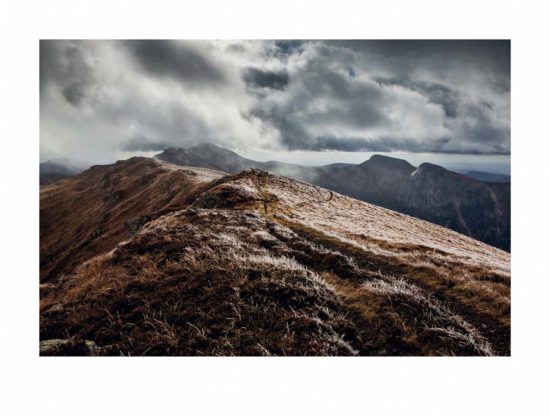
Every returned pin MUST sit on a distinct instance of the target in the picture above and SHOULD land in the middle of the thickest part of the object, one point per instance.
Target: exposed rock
(67, 347)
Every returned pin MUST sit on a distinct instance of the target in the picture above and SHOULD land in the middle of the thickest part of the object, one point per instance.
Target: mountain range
(476, 203)
(477, 209)
(145, 257)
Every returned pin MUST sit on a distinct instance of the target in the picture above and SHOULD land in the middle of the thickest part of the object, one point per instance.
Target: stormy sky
(300, 101)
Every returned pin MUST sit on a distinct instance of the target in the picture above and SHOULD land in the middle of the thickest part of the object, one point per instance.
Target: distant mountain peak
(389, 162)
(384, 158)
(430, 167)
(430, 192)
(207, 155)
(206, 148)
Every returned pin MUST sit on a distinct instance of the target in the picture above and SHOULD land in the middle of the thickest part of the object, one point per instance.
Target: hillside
(488, 176)
(145, 258)
(89, 213)
(429, 192)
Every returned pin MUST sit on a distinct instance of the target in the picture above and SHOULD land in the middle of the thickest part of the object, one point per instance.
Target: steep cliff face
(257, 264)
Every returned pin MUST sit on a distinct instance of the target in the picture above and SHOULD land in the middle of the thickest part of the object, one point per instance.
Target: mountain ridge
(189, 261)
(444, 197)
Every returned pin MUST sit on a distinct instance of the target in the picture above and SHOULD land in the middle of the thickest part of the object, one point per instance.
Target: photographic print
(275, 197)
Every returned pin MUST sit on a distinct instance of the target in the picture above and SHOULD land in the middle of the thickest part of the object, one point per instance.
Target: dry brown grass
(252, 264)
(189, 293)
(90, 213)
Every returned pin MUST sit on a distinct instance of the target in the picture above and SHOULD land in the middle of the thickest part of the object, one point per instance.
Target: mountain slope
(488, 177)
(89, 213)
(258, 264)
(216, 157)
(430, 192)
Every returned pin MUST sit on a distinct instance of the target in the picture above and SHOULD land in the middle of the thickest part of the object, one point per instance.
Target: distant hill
(429, 192)
(488, 177)
(143, 257)
(58, 169)
(216, 157)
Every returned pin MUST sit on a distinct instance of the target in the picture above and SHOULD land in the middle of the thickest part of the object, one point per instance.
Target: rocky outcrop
(67, 347)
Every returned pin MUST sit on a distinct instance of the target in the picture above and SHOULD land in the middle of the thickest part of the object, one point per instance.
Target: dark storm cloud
(49, 56)
(255, 77)
(420, 96)
(328, 106)
(66, 65)
(476, 132)
(415, 96)
(441, 95)
(182, 62)
(75, 93)
(344, 102)
(404, 55)
(284, 48)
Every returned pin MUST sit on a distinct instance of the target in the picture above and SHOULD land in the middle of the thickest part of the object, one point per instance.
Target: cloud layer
(100, 98)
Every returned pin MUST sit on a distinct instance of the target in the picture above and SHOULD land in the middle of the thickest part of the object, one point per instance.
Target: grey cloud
(403, 57)
(331, 92)
(316, 80)
(255, 77)
(144, 143)
(437, 93)
(326, 94)
(75, 93)
(69, 66)
(170, 123)
(477, 131)
(441, 95)
(132, 96)
(49, 56)
(284, 48)
(180, 61)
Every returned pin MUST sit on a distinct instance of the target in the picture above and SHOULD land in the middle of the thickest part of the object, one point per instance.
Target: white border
(441, 386)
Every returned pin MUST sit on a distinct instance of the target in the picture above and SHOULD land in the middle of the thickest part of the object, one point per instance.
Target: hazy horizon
(499, 164)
